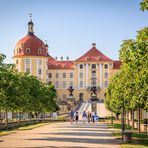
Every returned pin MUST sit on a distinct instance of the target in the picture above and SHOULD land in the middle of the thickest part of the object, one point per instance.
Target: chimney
(61, 58)
(56, 58)
(93, 44)
(67, 58)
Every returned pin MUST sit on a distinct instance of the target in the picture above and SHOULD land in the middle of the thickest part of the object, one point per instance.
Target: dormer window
(99, 58)
(64, 66)
(27, 50)
(19, 50)
(39, 51)
(23, 44)
(87, 58)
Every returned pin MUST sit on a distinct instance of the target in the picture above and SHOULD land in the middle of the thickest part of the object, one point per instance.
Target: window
(64, 84)
(81, 84)
(71, 75)
(39, 51)
(27, 50)
(93, 83)
(64, 75)
(50, 75)
(56, 84)
(105, 83)
(93, 74)
(81, 66)
(27, 61)
(39, 71)
(39, 62)
(106, 66)
(71, 83)
(93, 66)
(16, 61)
(28, 70)
(57, 75)
(20, 50)
(81, 75)
(106, 74)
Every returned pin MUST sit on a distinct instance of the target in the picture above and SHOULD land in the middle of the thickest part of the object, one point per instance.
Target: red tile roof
(53, 64)
(116, 64)
(93, 55)
(34, 43)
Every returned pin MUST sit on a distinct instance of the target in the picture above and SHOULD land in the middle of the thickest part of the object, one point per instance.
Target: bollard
(127, 137)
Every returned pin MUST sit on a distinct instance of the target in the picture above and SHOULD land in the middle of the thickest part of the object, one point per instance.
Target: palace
(90, 71)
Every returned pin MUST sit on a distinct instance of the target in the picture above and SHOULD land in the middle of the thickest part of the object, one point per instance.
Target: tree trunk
(132, 119)
(123, 119)
(111, 117)
(29, 117)
(43, 116)
(138, 120)
(6, 119)
(19, 118)
(128, 125)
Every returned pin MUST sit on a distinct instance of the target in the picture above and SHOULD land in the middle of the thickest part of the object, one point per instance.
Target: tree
(144, 5)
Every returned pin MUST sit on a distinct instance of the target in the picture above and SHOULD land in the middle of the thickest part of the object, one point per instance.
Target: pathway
(63, 135)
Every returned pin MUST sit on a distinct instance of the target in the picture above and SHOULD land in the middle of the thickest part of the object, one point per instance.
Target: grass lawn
(3, 133)
(27, 127)
(138, 140)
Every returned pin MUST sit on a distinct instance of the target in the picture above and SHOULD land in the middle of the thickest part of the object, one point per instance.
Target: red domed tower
(31, 54)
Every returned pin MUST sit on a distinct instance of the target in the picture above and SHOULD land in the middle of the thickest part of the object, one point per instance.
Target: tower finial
(30, 16)
(30, 25)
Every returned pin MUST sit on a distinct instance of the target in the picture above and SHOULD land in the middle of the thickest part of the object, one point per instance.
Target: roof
(93, 55)
(33, 43)
(54, 64)
(116, 64)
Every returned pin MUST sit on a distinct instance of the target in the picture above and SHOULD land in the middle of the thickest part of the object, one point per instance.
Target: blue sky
(70, 26)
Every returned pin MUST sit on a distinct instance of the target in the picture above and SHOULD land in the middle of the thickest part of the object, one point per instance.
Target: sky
(71, 26)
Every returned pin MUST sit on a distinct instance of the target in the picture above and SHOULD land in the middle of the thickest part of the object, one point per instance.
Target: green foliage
(21, 92)
(144, 5)
(129, 86)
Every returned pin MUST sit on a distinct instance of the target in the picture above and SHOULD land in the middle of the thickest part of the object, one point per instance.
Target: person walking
(84, 116)
(77, 117)
(93, 116)
(89, 116)
(71, 116)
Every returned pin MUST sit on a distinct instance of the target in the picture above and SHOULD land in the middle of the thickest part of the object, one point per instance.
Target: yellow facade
(84, 77)
(32, 65)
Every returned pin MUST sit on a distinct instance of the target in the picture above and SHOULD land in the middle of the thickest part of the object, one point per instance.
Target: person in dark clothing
(77, 117)
(89, 117)
(71, 114)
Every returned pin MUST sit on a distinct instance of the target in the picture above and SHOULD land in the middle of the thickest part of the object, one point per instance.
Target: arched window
(39, 51)
(27, 50)
(93, 66)
(105, 66)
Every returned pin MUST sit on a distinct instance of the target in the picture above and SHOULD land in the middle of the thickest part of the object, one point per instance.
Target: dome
(30, 45)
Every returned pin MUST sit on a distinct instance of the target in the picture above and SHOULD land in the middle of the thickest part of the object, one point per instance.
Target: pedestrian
(89, 116)
(77, 117)
(71, 114)
(84, 116)
(93, 116)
